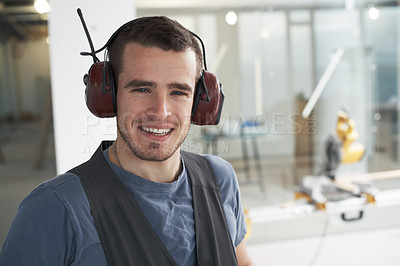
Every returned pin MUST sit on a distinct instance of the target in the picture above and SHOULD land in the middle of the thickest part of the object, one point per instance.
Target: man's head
(160, 32)
(156, 67)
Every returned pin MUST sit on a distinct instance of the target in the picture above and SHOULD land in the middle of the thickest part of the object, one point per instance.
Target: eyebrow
(143, 83)
(140, 83)
(180, 86)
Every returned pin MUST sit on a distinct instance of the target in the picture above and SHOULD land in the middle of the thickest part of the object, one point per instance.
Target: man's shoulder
(66, 187)
(219, 164)
(60, 180)
(223, 170)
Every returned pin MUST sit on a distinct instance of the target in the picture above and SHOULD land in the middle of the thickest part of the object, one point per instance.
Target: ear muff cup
(100, 90)
(208, 100)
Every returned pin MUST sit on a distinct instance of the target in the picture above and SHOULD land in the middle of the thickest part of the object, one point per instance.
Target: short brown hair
(158, 31)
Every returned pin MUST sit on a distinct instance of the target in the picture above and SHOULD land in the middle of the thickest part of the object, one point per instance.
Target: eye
(179, 93)
(140, 90)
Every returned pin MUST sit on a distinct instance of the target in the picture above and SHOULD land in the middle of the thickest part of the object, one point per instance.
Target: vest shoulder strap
(213, 240)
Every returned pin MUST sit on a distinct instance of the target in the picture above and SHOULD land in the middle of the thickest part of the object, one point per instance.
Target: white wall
(77, 132)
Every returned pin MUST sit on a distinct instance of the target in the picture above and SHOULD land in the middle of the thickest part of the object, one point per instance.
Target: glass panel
(382, 38)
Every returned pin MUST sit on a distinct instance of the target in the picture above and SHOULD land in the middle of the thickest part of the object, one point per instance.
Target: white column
(77, 132)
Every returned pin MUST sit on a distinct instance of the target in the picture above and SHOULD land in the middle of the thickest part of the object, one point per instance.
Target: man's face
(154, 100)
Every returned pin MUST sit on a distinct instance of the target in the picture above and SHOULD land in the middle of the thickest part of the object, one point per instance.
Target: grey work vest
(126, 235)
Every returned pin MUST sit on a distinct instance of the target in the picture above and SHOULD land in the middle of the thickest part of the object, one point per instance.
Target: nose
(159, 107)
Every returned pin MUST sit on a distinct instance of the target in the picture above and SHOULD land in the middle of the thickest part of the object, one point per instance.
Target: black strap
(126, 235)
(213, 240)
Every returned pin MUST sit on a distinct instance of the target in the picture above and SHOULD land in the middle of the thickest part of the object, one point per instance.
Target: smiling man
(155, 98)
(139, 200)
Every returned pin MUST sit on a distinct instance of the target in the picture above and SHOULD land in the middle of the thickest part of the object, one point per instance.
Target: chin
(155, 156)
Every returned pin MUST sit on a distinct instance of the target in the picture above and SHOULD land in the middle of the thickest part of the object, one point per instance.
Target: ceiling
(19, 19)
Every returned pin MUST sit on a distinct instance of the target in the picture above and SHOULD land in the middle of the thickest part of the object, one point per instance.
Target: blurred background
(310, 121)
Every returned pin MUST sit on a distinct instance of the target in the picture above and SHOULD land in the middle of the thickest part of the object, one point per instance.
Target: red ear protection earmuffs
(101, 91)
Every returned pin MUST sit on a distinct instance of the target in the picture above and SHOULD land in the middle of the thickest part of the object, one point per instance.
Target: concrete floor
(289, 240)
(367, 248)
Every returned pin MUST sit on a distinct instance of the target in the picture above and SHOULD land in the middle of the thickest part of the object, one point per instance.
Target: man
(156, 64)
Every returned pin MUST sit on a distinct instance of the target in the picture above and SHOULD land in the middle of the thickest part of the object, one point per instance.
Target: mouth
(157, 131)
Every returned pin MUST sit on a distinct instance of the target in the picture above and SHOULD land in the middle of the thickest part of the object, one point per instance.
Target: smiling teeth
(157, 131)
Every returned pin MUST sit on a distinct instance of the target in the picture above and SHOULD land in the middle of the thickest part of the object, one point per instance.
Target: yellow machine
(345, 129)
(341, 148)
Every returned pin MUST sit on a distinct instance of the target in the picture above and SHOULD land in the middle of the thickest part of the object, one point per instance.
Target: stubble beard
(150, 151)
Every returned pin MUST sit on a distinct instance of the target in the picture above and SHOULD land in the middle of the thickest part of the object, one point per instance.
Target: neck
(162, 172)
